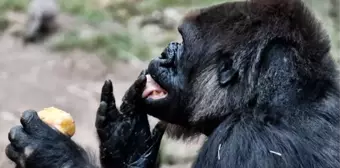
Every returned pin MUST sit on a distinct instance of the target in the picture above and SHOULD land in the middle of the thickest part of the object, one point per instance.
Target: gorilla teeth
(153, 90)
(158, 93)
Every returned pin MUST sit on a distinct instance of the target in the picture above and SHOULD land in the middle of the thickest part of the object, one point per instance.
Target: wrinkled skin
(167, 71)
(125, 137)
(255, 77)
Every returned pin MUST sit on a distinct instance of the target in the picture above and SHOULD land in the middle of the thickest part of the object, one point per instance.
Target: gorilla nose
(169, 54)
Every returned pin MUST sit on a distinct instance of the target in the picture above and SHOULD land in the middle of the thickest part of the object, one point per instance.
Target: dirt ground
(33, 78)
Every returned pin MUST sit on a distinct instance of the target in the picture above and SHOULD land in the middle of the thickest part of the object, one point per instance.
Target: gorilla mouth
(153, 90)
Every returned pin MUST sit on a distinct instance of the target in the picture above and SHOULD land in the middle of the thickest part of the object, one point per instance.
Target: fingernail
(27, 115)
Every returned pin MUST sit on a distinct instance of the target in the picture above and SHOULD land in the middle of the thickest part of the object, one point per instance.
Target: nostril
(167, 63)
(167, 59)
(168, 56)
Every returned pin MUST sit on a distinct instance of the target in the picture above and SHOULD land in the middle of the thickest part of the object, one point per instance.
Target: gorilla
(255, 77)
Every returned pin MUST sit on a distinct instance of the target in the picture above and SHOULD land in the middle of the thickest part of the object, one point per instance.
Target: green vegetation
(85, 9)
(12, 5)
(120, 46)
(127, 45)
(4, 23)
(151, 5)
(91, 10)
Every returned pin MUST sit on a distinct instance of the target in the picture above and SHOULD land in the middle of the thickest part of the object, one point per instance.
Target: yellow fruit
(58, 119)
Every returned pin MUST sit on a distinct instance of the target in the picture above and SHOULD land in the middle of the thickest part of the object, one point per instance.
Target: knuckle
(11, 153)
(100, 121)
(14, 132)
(27, 116)
(102, 105)
(28, 151)
(9, 150)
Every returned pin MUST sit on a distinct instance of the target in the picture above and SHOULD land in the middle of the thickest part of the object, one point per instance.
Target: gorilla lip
(153, 90)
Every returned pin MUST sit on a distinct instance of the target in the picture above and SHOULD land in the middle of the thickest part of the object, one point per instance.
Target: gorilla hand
(36, 145)
(125, 137)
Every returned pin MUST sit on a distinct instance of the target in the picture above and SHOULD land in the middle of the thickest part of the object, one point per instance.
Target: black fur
(256, 77)
(125, 137)
(35, 144)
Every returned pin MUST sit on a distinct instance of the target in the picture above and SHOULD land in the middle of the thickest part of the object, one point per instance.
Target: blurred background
(98, 40)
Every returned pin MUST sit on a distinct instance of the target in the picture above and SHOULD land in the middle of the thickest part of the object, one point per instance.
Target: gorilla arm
(125, 138)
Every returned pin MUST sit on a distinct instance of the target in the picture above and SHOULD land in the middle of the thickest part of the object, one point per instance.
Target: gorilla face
(165, 88)
(195, 82)
(185, 77)
(166, 72)
(237, 60)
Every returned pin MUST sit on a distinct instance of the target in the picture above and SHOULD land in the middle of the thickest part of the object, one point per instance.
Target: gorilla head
(259, 60)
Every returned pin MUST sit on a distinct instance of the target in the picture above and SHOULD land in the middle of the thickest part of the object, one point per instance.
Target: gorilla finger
(141, 81)
(102, 109)
(12, 154)
(158, 131)
(18, 137)
(136, 90)
(106, 113)
(33, 125)
(139, 84)
(113, 114)
(102, 135)
(18, 157)
(143, 73)
(101, 115)
(107, 93)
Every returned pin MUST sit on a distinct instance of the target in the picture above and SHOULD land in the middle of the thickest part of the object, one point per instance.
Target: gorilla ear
(226, 72)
